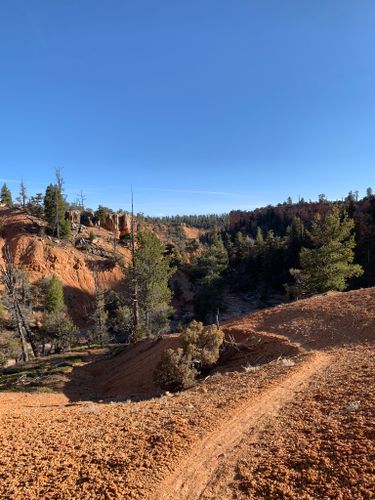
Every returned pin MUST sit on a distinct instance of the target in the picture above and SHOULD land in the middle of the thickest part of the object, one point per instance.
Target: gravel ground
(316, 442)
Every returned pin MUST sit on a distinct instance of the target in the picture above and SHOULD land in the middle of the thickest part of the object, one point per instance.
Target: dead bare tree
(134, 281)
(100, 315)
(59, 190)
(82, 199)
(8, 276)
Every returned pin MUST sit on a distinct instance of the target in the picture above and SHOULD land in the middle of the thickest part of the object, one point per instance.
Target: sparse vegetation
(59, 329)
(199, 352)
(6, 196)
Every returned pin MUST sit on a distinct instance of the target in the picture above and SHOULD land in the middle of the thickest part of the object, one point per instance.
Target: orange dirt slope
(299, 424)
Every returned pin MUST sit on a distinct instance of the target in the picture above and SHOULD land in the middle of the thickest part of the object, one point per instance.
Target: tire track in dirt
(193, 476)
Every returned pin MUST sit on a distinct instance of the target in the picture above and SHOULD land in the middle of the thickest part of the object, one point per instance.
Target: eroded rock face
(116, 223)
(43, 256)
(88, 218)
(73, 216)
(77, 217)
(120, 223)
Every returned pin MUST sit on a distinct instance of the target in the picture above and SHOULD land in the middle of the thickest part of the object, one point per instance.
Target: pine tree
(35, 205)
(99, 331)
(6, 196)
(328, 264)
(57, 326)
(322, 198)
(59, 329)
(54, 211)
(54, 301)
(150, 273)
(230, 247)
(259, 237)
(240, 246)
(270, 257)
(207, 272)
(295, 233)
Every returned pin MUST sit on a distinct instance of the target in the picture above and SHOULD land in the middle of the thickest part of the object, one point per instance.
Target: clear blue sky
(201, 105)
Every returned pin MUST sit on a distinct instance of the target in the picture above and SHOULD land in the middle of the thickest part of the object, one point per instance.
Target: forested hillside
(126, 276)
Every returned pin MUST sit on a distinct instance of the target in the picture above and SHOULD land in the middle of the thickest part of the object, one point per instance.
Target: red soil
(300, 426)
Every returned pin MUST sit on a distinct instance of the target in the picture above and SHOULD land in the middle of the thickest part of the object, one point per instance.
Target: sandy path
(193, 476)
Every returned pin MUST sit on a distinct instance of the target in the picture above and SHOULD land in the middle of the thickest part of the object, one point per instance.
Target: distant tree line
(198, 221)
(299, 249)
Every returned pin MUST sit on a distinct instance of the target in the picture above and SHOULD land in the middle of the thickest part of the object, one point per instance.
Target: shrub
(9, 348)
(178, 369)
(59, 329)
(54, 301)
(175, 370)
(92, 236)
(203, 342)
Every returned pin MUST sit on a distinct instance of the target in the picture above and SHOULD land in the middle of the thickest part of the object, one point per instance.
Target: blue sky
(201, 105)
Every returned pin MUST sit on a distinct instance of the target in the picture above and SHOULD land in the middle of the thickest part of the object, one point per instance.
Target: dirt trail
(195, 473)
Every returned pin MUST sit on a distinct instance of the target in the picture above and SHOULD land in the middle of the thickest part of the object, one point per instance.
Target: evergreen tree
(35, 205)
(57, 326)
(230, 247)
(150, 273)
(99, 331)
(322, 198)
(6, 196)
(54, 211)
(328, 264)
(54, 301)
(59, 329)
(102, 213)
(259, 237)
(207, 273)
(240, 246)
(271, 269)
(295, 233)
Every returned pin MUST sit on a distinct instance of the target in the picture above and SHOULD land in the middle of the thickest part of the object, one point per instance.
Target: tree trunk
(21, 335)
(29, 335)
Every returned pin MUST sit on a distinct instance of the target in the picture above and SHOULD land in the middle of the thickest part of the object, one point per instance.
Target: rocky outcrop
(73, 216)
(88, 218)
(77, 217)
(77, 267)
(118, 223)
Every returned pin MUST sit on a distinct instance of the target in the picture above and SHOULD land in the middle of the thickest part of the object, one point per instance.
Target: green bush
(200, 350)
(176, 370)
(59, 329)
(9, 348)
